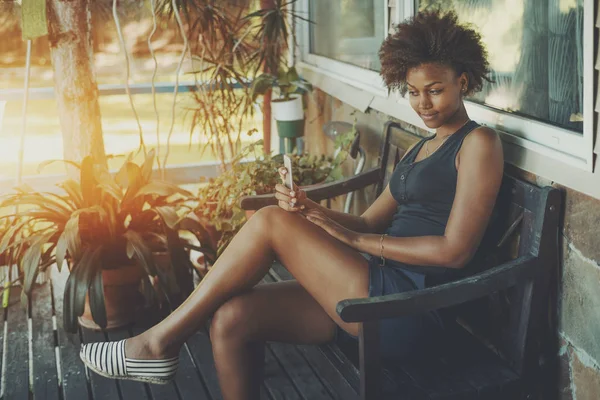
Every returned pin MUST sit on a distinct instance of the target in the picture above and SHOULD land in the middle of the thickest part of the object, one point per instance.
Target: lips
(428, 117)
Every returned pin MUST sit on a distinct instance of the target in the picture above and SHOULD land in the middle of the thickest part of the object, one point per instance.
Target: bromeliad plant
(104, 221)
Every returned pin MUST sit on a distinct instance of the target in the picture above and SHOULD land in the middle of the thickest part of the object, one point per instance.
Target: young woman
(428, 221)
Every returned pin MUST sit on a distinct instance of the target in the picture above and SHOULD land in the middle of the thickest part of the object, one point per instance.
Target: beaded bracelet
(382, 263)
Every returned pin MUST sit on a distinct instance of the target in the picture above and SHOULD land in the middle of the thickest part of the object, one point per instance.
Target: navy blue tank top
(425, 192)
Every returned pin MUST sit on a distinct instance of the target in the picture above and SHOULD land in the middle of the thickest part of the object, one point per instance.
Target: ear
(463, 81)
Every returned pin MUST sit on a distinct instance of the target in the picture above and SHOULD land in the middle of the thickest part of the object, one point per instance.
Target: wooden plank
(370, 360)
(298, 369)
(129, 389)
(201, 352)
(73, 375)
(277, 383)
(17, 352)
(45, 382)
(102, 388)
(330, 377)
(188, 379)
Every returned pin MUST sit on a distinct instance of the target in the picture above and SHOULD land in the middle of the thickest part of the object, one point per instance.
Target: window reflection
(536, 55)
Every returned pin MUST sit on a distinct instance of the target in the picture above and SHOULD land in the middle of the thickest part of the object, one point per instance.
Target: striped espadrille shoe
(108, 359)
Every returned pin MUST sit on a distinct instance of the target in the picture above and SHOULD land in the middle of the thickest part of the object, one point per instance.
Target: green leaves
(104, 218)
(82, 274)
(287, 81)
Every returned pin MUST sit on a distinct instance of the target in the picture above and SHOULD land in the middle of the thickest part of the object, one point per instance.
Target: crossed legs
(326, 271)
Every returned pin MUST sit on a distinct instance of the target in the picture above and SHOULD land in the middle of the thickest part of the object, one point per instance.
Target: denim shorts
(401, 336)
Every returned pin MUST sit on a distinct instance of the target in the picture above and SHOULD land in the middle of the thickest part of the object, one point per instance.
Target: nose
(424, 102)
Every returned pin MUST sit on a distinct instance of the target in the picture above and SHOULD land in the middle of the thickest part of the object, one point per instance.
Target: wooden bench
(497, 325)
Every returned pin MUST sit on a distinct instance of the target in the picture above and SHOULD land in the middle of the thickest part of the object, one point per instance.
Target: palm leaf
(121, 175)
(136, 181)
(138, 249)
(161, 188)
(73, 190)
(169, 216)
(61, 250)
(96, 296)
(82, 274)
(31, 261)
(147, 166)
(72, 238)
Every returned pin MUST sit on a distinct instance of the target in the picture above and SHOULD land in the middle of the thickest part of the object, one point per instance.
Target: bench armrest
(319, 192)
(441, 296)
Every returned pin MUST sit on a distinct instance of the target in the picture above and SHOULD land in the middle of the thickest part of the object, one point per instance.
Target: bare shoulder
(483, 139)
(482, 148)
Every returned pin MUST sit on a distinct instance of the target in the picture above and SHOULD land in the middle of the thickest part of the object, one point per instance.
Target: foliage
(218, 201)
(232, 41)
(288, 82)
(104, 221)
(272, 33)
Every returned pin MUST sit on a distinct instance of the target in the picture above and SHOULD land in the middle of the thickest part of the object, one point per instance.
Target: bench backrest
(525, 221)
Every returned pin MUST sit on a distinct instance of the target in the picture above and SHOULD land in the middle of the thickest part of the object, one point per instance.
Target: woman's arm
(479, 176)
(374, 219)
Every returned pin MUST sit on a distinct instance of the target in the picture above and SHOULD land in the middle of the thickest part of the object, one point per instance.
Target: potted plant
(106, 227)
(288, 107)
(218, 216)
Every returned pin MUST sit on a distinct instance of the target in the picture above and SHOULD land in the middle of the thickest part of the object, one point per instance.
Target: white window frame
(551, 141)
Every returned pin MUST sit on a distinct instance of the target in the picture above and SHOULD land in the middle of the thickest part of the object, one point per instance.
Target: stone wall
(579, 277)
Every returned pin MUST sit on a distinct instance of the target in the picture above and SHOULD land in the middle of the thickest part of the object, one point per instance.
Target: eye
(435, 91)
(413, 93)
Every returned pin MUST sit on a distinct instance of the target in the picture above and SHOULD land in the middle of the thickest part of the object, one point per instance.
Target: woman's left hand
(336, 230)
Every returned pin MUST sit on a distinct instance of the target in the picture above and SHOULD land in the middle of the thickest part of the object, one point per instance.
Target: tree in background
(69, 33)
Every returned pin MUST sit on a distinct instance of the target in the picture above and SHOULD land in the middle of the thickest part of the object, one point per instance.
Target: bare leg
(282, 312)
(327, 269)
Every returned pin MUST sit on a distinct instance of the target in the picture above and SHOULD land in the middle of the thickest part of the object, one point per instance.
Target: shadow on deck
(41, 361)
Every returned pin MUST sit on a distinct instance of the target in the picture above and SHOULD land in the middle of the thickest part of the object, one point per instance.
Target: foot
(108, 359)
(142, 347)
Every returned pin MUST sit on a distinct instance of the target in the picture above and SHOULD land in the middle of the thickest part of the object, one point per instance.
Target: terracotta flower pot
(122, 298)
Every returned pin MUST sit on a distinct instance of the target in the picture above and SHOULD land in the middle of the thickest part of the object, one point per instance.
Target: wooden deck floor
(40, 361)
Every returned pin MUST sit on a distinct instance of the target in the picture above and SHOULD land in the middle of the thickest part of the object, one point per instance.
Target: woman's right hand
(289, 200)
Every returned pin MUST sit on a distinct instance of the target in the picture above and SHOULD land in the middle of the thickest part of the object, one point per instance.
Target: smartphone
(287, 163)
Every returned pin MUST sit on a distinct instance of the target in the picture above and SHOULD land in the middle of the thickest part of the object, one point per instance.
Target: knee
(265, 218)
(229, 321)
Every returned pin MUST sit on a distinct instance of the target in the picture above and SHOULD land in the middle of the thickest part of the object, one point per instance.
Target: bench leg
(370, 361)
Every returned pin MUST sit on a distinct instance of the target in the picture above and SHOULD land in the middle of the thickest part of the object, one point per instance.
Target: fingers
(289, 207)
(287, 199)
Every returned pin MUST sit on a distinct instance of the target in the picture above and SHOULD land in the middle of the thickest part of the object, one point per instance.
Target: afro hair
(438, 38)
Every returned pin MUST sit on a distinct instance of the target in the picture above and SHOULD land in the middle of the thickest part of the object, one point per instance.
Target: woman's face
(435, 92)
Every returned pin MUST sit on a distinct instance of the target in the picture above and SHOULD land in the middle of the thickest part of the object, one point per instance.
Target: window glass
(536, 55)
(348, 30)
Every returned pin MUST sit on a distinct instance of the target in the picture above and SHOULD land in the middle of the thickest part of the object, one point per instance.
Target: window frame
(543, 138)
